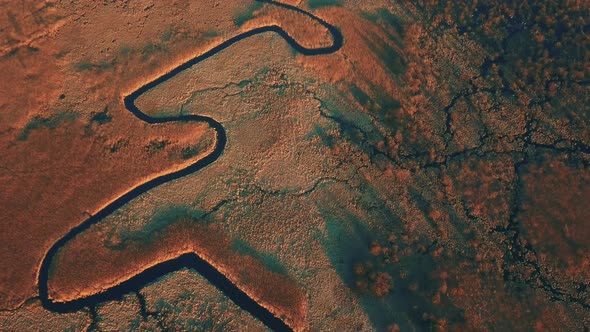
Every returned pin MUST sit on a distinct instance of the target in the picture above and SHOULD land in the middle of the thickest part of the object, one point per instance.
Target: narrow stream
(191, 260)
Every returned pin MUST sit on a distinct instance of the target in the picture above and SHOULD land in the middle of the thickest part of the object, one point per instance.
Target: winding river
(191, 260)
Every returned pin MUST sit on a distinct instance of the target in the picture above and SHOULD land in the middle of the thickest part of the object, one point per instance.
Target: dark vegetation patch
(271, 262)
(390, 57)
(391, 278)
(12, 52)
(38, 122)
(102, 66)
(150, 49)
(118, 145)
(388, 49)
(246, 15)
(389, 111)
(101, 117)
(313, 4)
(165, 217)
(380, 104)
(533, 45)
(125, 50)
(244, 83)
(190, 151)
(356, 112)
(325, 138)
(168, 34)
(24, 50)
(160, 221)
(360, 96)
(211, 34)
(354, 126)
(156, 146)
(14, 22)
(389, 22)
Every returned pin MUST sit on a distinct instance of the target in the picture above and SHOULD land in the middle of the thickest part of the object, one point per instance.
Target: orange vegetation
(555, 216)
(84, 269)
(65, 176)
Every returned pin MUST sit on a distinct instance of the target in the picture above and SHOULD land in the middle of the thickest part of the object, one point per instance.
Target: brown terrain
(432, 174)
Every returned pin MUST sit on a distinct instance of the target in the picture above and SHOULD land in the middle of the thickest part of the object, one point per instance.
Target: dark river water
(192, 260)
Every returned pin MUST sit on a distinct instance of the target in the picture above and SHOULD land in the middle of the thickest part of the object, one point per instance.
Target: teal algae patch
(101, 117)
(164, 218)
(244, 16)
(270, 261)
(168, 34)
(83, 66)
(388, 49)
(355, 125)
(390, 56)
(202, 145)
(388, 21)
(156, 146)
(325, 138)
(211, 34)
(384, 107)
(364, 117)
(190, 151)
(152, 48)
(147, 232)
(313, 4)
(52, 122)
(347, 241)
